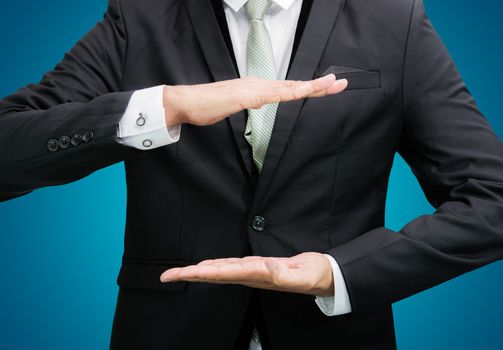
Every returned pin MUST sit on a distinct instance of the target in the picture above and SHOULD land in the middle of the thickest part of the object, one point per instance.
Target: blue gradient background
(60, 248)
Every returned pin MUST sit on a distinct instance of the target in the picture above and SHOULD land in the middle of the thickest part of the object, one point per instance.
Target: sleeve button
(64, 142)
(52, 145)
(88, 136)
(76, 139)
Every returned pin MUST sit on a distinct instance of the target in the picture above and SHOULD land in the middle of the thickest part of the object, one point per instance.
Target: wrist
(171, 114)
(325, 286)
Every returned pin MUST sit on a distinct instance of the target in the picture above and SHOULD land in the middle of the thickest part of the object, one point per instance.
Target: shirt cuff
(143, 124)
(339, 303)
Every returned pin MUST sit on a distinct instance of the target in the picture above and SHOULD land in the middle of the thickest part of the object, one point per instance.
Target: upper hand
(206, 104)
(307, 273)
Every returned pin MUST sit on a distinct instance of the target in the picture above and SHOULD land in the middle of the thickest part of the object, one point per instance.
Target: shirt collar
(237, 4)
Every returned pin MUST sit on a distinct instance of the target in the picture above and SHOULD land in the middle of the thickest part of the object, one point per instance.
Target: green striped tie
(259, 63)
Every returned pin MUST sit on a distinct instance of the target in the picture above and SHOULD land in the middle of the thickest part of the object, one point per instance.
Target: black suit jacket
(322, 187)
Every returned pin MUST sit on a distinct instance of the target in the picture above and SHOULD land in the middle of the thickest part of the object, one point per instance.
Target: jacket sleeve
(458, 161)
(41, 124)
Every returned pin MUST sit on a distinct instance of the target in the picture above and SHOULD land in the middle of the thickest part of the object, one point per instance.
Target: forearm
(59, 145)
(458, 161)
(64, 127)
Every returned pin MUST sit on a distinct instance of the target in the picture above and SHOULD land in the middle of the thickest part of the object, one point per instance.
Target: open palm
(307, 273)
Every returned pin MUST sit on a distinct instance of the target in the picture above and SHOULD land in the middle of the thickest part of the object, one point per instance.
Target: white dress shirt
(143, 124)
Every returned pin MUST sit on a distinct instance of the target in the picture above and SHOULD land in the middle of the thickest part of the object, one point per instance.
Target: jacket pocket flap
(147, 276)
(357, 78)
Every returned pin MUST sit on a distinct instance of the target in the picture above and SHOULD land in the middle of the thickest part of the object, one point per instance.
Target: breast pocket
(358, 79)
(358, 110)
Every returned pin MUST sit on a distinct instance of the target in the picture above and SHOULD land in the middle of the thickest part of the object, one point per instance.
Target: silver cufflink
(147, 143)
(141, 120)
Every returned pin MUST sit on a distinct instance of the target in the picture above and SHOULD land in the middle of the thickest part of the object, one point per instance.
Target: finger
(337, 87)
(199, 273)
(174, 273)
(228, 260)
(269, 271)
(284, 91)
(218, 261)
(170, 274)
(311, 87)
(292, 83)
(252, 270)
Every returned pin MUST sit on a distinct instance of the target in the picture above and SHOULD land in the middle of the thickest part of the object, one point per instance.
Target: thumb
(277, 271)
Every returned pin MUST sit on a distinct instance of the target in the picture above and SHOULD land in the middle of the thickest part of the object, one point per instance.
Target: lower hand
(307, 273)
(206, 104)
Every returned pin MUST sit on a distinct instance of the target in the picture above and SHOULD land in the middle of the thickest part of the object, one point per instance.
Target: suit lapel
(319, 25)
(320, 22)
(221, 66)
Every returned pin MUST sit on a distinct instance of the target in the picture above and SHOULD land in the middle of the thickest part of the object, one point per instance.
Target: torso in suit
(322, 187)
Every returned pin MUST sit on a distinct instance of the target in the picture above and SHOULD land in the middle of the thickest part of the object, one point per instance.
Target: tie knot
(256, 9)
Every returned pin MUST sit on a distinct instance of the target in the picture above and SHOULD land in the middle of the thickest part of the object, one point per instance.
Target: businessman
(248, 163)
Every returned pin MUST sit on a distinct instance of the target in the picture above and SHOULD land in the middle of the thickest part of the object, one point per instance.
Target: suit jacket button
(52, 145)
(64, 142)
(76, 139)
(88, 136)
(258, 223)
